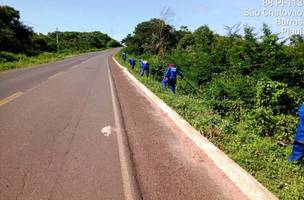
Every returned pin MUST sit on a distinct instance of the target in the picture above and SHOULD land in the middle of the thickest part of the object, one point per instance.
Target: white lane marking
(56, 75)
(106, 131)
(76, 66)
(128, 180)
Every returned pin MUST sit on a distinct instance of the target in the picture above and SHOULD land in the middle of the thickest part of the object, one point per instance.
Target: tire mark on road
(84, 105)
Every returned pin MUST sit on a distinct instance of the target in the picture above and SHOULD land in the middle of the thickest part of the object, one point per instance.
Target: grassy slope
(42, 58)
(260, 156)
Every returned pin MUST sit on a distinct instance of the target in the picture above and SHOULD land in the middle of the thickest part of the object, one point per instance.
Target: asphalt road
(73, 130)
(26, 78)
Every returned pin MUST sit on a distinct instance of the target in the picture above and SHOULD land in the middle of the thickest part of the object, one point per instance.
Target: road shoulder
(168, 164)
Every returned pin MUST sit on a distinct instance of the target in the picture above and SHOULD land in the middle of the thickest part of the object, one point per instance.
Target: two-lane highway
(52, 144)
(79, 129)
(20, 80)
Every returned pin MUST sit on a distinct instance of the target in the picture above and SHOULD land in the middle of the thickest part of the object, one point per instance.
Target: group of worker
(169, 78)
(170, 74)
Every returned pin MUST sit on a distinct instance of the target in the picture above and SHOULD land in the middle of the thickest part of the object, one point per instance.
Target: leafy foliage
(80, 41)
(241, 92)
(276, 96)
(154, 36)
(14, 36)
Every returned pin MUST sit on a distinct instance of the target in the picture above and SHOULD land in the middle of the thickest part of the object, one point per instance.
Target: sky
(119, 17)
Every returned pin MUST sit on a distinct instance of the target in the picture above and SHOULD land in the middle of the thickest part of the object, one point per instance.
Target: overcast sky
(119, 17)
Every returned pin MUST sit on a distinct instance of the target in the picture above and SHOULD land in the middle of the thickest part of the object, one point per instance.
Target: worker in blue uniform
(124, 56)
(132, 62)
(144, 68)
(170, 78)
(298, 146)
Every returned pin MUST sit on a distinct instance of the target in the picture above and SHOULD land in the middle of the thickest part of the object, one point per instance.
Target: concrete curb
(242, 179)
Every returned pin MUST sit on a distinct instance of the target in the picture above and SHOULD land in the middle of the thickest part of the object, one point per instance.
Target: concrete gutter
(241, 178)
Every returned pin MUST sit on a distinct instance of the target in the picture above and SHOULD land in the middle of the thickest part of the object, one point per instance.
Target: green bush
(260, 121)
(276, 96)
(285, 127)
(228, 94)
(263, 122)
(8, 57)
(112, 43)
(186, 87)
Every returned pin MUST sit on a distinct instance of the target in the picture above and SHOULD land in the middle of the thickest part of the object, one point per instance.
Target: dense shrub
(260, 121)
(263, 122)
(277, 97)
(229, 93)
(285, 127)
(8, 57)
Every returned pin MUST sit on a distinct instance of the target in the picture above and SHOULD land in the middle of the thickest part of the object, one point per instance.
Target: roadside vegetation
(242, 92)
(20, 46)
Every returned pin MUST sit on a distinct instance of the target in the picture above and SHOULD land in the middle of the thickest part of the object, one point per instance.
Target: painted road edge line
(10, 98)
(129, 183)
(242, 179)
(55, 75)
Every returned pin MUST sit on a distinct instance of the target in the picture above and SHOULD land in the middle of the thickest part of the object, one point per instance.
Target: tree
(272, 55)
(153, 36)
(166, 16)
(186, 42)
(14, 36)
(234, 30)
(204, 39)
(81, 40)
(294, 75)
(113, 43)
(40, 43)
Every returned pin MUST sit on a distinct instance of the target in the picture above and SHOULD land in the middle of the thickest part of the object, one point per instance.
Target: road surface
(79, 129)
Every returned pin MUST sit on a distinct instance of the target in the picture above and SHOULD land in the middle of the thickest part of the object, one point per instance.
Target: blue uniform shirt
(132, 62)
(144, 65)
(300, 132)
(298, 148)
(171, 73)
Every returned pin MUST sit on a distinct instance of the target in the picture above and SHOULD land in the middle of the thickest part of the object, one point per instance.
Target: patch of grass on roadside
(13, 61)
(259, 155)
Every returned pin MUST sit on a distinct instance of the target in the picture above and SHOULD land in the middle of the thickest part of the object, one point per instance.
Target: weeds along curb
(242, 179)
